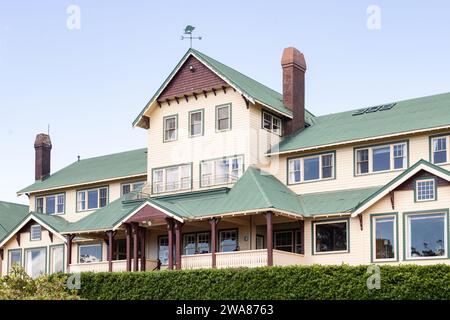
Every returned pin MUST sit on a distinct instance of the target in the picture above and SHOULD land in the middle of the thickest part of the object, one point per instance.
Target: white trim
(396, 184)
(374, 218)
(392, 135)
(347, 229)
(416, 189)
(40, 232)
(36, 219)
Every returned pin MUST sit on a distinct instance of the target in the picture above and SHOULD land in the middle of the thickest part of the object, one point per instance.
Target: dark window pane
(50, 205)
(311, 168)
(381, 159)
(283, 241)
(440, 157)
(92, 199)
(103, 197)
(163, 252)
(427, 238)
(126, 188)
(384, 242)
(331, 237)
(228, 241)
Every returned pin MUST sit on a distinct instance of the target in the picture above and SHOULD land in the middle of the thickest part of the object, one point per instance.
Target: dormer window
(170, 128)
(271, 123)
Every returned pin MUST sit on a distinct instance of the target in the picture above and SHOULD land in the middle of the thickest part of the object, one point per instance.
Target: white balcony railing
(237, 259)
(103, 266)
(196, 261)
(283, 258)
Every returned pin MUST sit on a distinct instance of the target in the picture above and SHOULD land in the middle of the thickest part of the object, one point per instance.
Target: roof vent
(383, 107)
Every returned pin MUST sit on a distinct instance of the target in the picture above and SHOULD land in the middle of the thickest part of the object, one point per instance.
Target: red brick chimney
(294, 68)
(43, 147)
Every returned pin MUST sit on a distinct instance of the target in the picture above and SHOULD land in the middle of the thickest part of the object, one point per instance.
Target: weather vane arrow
(188, 30)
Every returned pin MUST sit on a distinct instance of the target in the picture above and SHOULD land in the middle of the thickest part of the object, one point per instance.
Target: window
(299, 242)
(330, 236)
(163, 249)
(15, 258)
(131, 187)
(35, 262)
(425, 190)
(195, 123)
(311, 168)
(283, 241)
(221, 171)
(228, 240)
(384, 242)
(260, 242)
(53, 204)
(426, 235)
(56, 259)
(381, 158)
(170, 128)
(439, 150)
(90, 253)
(271, 123)
(35, 232)
(223, 117)
(172, 178)
(196, 243)
(92, 199)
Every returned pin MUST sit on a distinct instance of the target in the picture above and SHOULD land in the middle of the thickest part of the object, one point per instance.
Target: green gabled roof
(113, 166)
(248, 86)
(405, 116)
(58, 223)
(11, 216)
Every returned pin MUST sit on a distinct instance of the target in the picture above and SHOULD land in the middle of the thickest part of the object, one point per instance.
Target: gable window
(131, 187)
(35, 261)
(221, 171)
(381, 158)
(425, 190)
(172, 178)
(330, 236)
(90, 253)
(53, 204)
(170, 128)
(223, 117)
(35, 232)
(15, 258)
(271, 123)
(92, 199)
(311, 168)
(384, 241)
(426, 235)
(440, 150)
(195, 123)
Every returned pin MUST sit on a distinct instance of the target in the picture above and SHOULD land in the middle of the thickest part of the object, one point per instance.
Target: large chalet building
(235, 174)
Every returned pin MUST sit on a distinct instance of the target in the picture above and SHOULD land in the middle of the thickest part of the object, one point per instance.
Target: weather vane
(188, 34)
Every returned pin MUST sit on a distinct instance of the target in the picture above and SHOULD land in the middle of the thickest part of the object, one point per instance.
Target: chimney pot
(42, 147)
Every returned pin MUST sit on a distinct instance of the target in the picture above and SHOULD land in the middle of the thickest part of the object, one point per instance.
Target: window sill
(378, 172)
(330, 252)
(426, 258)
(310, 181)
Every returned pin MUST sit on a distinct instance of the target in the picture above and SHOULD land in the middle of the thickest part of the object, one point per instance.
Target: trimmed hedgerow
(296, 282)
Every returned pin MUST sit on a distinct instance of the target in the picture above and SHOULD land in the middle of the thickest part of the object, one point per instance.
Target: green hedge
(297, 282)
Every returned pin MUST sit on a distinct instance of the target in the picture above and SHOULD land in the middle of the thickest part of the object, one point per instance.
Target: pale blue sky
(89, 84)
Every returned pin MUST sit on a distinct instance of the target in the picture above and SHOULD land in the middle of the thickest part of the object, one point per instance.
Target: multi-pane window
(426, 235)
(440, 150)
(384, 237)
(319, 167)
(131, 187)
(271, 123)
(92, 199)
(381, 158)
(35, 232)
(221, 171)
(163, 249)
(170, 128)
(330, 236)
(196, 243)
(90, 253)
(283, 240)
(223, 117)
(53, 204)
(426, 190)
(195, 123)
(172, 178)
(228, 240)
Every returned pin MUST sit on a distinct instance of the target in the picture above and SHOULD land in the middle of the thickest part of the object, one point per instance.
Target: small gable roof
(11, 215)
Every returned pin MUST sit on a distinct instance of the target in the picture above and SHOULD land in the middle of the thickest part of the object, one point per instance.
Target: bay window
(426, 235)
(52, 204)
(330, 236)
(439, 150)
(221, 171)
(381, 158)
(92, 199)
(384, 242)
(311, 168)
(173, 178)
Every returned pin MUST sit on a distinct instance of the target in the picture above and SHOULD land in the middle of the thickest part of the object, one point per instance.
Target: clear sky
(90, 83)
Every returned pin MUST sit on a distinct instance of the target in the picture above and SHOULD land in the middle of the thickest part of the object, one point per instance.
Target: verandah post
(269, 244)
(110, 235)
(178, 226)
(128, 245)
(70, 238)
(135, 228)
(143, 259)
(213, 223)
(170, 240)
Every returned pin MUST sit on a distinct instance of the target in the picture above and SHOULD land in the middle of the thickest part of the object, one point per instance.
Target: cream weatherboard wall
(418, 147)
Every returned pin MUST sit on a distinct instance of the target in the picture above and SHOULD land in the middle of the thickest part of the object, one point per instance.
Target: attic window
(374, 109)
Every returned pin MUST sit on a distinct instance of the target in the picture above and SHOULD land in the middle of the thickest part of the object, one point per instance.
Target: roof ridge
(14, 203)
(263, 193)
(109, 155)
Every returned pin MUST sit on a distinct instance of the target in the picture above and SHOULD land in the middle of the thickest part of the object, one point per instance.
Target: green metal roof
(248, 86)
(405, 116)
(11, 215)
(92, 170)
(58, 223)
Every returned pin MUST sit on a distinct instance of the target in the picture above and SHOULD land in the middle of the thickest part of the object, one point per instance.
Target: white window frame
(331, 222)
(44, 203)
(52, 258)
(132, 186)
(86, 199)
(10, 252)
(374, 237)
(416, 189)
(217, 180)
(302, 168)
(447, 141)
(35, 226)
(273, 118)
(191, 113)
(40, 249)
(90, 245)
(407, 236)
(228, 106)
(175, 117)
(391, 155)
(179, 184)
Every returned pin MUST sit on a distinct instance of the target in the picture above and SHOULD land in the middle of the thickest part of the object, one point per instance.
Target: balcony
(103, 266)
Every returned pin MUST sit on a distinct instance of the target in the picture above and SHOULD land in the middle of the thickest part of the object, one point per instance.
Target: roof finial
(188, 34)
